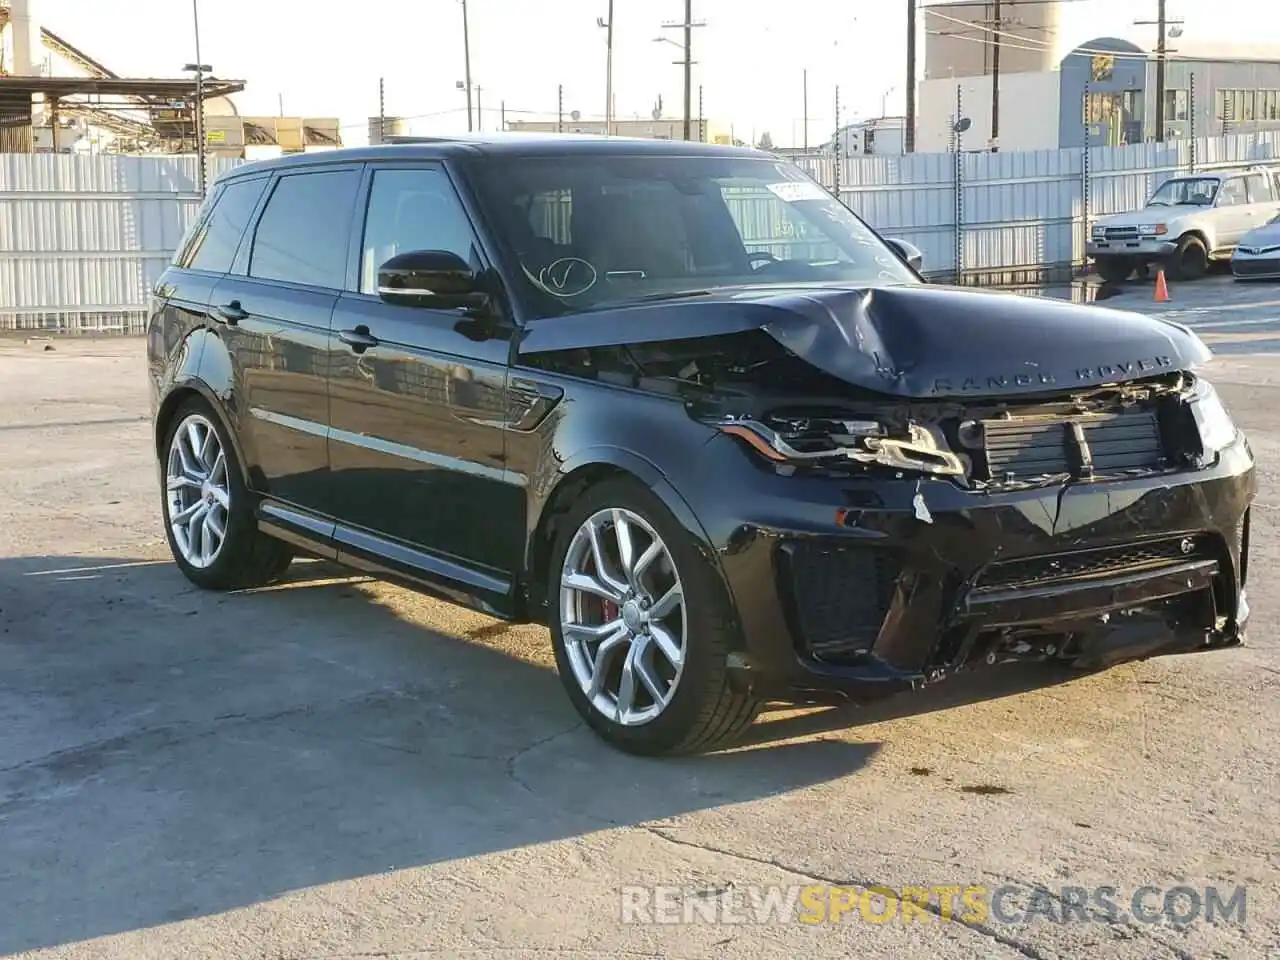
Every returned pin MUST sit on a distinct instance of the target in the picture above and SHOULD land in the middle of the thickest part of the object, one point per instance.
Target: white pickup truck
(1189, 221)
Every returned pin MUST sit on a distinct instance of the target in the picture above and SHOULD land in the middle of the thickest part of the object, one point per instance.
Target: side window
(1233, 193)
(1259, 189)
(302, 235)
(411, 210)
(214, 246)
(194, 229)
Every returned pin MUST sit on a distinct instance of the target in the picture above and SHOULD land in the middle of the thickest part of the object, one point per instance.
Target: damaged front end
(896, 524)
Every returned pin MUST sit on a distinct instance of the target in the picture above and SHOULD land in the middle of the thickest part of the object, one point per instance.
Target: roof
(510, 144)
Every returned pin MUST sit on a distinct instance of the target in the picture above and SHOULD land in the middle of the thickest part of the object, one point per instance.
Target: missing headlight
(916, 448)
(1217, 430)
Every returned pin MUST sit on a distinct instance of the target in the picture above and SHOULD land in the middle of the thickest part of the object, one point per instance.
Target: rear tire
(207, 509)
(1190, 260)
(1113, 269)
(701, 710)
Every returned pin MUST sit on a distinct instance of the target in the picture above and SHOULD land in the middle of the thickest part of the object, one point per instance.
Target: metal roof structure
(160, 89)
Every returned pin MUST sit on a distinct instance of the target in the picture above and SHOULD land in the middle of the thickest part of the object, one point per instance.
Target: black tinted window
(215, 243)
(411, 210)
(302, 236)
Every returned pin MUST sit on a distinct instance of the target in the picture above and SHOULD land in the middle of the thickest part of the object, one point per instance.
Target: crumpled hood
(918, 341)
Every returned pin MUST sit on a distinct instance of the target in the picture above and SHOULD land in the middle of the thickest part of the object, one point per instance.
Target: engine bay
(802, 419)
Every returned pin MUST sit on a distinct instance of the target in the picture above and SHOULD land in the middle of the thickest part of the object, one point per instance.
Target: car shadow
(172, 753)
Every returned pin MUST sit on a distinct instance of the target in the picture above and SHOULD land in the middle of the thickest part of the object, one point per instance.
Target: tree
(766, 141)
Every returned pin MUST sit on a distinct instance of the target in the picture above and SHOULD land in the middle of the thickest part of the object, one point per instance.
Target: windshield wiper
(676, 295)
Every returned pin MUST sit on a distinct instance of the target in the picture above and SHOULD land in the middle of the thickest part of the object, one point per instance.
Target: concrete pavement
(341, 768)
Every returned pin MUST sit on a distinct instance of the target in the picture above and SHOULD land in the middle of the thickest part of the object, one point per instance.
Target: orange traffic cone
(1162, 288)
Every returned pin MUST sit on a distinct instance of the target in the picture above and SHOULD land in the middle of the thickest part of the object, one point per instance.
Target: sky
(323, 58)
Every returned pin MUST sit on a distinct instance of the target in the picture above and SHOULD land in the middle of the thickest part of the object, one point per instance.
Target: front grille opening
(1100, 562)
(1255, 268)
(839, 596)
(1099, 444)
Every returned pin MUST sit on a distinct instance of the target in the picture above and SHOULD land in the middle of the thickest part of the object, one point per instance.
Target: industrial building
(1098, 93)
(55, 97)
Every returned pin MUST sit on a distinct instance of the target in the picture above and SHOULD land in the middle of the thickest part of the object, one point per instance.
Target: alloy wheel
(197, 491)
(622, 617)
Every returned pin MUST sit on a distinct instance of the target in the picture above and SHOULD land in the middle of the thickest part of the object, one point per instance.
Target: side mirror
(908, 252)
(428, 278)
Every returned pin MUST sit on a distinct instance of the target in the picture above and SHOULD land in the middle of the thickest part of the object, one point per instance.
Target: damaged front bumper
(849, 588)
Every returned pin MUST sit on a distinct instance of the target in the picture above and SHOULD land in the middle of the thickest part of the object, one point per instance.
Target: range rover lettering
(679, 404)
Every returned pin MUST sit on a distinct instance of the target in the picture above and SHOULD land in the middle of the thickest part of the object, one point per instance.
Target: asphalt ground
(337, 767)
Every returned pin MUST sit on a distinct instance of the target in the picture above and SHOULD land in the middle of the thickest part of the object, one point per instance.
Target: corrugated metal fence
(83, 239)
(1008, 218)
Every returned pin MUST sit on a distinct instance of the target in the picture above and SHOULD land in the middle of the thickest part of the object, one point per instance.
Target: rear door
(417, 417)
(273, 310)
(1234, 215)
(1263, 200)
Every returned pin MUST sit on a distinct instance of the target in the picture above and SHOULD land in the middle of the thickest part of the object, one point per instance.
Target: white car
(1188, 222)
(1257, 256)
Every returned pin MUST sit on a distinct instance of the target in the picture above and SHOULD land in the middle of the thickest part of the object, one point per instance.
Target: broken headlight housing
(826, 441)
(1217, 430)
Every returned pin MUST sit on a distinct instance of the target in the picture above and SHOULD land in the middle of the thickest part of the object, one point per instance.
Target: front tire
(208, 511)
(642, 627)
(1190, 260)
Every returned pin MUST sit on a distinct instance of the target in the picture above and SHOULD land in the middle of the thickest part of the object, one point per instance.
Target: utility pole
(806, 110)
(909, 134)
(502, 114)
(466, 54)
(1161, 28)
(560, 108)
(1162, 24)
(479, 112)
(838, 144)
(382, 110)
(689, 64)
(702, 122)
(995, 77)
(608, 71)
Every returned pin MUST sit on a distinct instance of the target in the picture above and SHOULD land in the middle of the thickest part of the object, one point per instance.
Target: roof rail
(411, 138)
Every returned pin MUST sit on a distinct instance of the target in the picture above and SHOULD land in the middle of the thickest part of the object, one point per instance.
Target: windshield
(1198, 191)
(591, 231)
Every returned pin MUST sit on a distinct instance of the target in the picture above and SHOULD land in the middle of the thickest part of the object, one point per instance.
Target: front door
(416, 441)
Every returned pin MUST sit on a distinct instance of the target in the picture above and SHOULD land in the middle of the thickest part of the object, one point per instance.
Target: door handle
(359, 339)
(231, 313)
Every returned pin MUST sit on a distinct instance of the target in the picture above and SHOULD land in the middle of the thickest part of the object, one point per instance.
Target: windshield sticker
(794, 190)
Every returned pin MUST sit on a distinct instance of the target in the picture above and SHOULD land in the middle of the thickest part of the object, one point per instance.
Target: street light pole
(466, 54)
(195, 19)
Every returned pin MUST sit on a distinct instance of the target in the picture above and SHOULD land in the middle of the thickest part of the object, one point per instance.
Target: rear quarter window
(217, 236)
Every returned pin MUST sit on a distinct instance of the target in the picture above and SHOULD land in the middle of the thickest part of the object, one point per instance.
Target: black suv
(679, 404)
